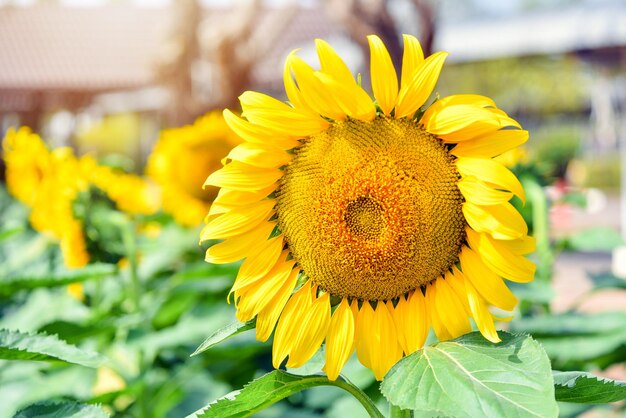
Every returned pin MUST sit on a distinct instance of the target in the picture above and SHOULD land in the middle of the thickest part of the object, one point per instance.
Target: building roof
(80, 49)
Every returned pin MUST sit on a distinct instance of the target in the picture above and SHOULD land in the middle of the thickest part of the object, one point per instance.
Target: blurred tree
(364, 17)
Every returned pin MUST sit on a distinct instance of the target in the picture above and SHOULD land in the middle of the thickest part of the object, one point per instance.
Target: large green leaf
(472, 377)
(13, 283)
(15, 345)
(49, 409)
(581, 387)
(224, 333)
(271, 388)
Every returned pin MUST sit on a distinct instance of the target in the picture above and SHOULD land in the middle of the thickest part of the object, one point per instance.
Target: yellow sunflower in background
(385, 217)
(50, 181)
(180, 161)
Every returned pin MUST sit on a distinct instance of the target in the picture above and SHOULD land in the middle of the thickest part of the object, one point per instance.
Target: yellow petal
(258, 295)
(450, 309)
(259, 155)
(382, 340)
(477, 192)
(258, 134)
(332, 64)
(502, 221)
(289, 323)
(522, 246)
(481, 315)
(277, 116)
(340, 339)
(414, 94)
(315, 93)
(492, 173)
(486, 282)
(412, 59)
(268, 316)
(239, 247)
(312, 331)
(363, 328)
(462, 122)
(243, 177)
(258, 263)
(291, 88)
(499, 259)
(433, 314)
(456, 280)
(383, 74)
(491, 145)
(411, 319)
(238, 221)
(352, 99)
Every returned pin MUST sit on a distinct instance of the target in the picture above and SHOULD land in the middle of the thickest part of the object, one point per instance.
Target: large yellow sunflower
(364, 223)
(180, 161)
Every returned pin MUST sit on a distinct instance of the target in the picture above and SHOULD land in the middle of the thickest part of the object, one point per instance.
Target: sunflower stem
(128, 238)
(360, 396)
(397, 412)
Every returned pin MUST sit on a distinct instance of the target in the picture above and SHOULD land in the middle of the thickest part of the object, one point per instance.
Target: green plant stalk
(537, 197)
(397, 412)
(128, 237)
(360, 396)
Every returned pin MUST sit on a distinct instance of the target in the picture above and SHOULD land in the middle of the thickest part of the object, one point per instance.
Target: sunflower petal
(258, 263)
(487, 283)
(238, 221)
(502, 221)
(383, 74)
(491, 145)
(377, 339)
(491, 172)
(277, 116)
(414, 94)
(450, 309)
(435, 319)
(259, 155)
(289, 322)
(501, 260)
(243, 177)
(257, 134)
(462, 122)
(313, 92)
(332, 64)
(312, 332)
(412, 59)
(268, 316)
(477, 192)
(236, 248)
(258, 295)
(481, 315)
(340, 339)
(352, 99)
(411, 319)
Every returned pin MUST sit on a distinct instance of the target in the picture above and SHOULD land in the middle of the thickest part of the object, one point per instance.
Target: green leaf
(581, 387)
(16, 345)
(570, 324)
(12, 284)
(271, 388)
(472, 377)
(49, 409)
(225, 333)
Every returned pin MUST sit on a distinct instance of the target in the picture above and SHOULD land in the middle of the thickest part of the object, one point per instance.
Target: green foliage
(15, 345)
(13, 283)
(580, 387)
(61, 410)
(270, 389)
(470, 376)
(224, 333)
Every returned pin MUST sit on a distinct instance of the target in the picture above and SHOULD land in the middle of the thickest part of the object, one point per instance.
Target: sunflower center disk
(371, 210)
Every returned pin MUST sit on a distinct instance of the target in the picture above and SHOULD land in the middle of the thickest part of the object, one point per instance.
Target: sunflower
(50, 182)
(179, 163)
(365, 223)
